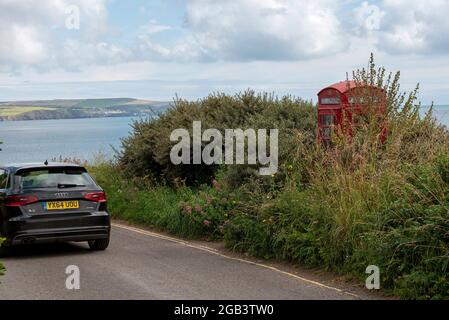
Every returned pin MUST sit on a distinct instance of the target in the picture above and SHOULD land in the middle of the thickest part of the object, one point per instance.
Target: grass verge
(369, 199)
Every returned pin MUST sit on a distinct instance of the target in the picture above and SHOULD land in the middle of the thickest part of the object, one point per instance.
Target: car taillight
(96, 196)
(17, 201)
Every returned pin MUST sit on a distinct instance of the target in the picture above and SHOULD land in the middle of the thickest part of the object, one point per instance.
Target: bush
(147, 151)
(183, 211)
(296, 121)
(208, 209)
(361, 202)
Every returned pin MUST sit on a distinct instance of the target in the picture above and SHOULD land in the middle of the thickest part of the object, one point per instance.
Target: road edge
(216, 252)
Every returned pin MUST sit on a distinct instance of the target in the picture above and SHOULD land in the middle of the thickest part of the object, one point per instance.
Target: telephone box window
(326, 132)
(363, 100)
(335, 100)
(327, 120)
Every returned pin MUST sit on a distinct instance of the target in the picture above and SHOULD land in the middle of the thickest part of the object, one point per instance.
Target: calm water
(39, 140)
(441, 113)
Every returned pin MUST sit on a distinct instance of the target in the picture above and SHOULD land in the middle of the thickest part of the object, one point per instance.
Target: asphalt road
(141, 265)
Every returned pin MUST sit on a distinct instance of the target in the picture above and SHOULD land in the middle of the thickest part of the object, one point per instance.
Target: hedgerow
(364, 201)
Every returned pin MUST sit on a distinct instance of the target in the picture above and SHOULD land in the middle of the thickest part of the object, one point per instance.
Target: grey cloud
(412, 26)
(248, 30)
(30, 32)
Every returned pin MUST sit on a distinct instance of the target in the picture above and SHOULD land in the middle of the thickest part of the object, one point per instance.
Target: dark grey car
(52, 202)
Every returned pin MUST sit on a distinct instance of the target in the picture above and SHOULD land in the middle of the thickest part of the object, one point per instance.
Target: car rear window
(53, 178)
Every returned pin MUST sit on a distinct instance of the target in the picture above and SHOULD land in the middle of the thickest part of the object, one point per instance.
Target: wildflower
(216, 185)
(198, 208)
(188, 210)
(206, 222)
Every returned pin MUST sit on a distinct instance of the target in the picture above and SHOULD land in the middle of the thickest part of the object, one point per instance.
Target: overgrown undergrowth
(362, 202)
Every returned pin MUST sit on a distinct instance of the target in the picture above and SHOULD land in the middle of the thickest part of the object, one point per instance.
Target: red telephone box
(343, 105)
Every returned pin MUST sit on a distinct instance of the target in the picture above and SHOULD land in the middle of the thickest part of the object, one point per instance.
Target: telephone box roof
(342, 86)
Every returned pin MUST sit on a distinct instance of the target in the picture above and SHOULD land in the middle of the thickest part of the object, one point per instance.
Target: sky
(156, 49)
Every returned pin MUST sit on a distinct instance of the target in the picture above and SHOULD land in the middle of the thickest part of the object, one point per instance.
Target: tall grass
(364, 201)
(187, 212)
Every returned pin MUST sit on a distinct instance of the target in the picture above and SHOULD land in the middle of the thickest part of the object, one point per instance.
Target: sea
(83, 139)
(41, 140)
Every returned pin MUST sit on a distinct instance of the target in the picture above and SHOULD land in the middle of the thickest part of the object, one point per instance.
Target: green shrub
(249, 234)
(209, 209)
(296, 121)
(142, 202)
(361, 202)
(147, 151)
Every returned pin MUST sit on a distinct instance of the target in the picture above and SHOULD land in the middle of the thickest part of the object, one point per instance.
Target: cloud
(34, 35)
(406, 26)
(153, 27)
(247, 30)
(293, 30)
(368, 18)
(76, 54)
(31, 32)
(22, 44)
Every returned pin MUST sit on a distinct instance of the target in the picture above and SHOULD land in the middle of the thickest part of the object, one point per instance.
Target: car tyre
(99, 244)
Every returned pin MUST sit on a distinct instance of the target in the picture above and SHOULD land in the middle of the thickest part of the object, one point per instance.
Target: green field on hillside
(10, 111)
(103, 103)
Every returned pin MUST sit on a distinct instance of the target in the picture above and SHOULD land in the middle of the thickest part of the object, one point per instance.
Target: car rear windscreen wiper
(67, 185)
